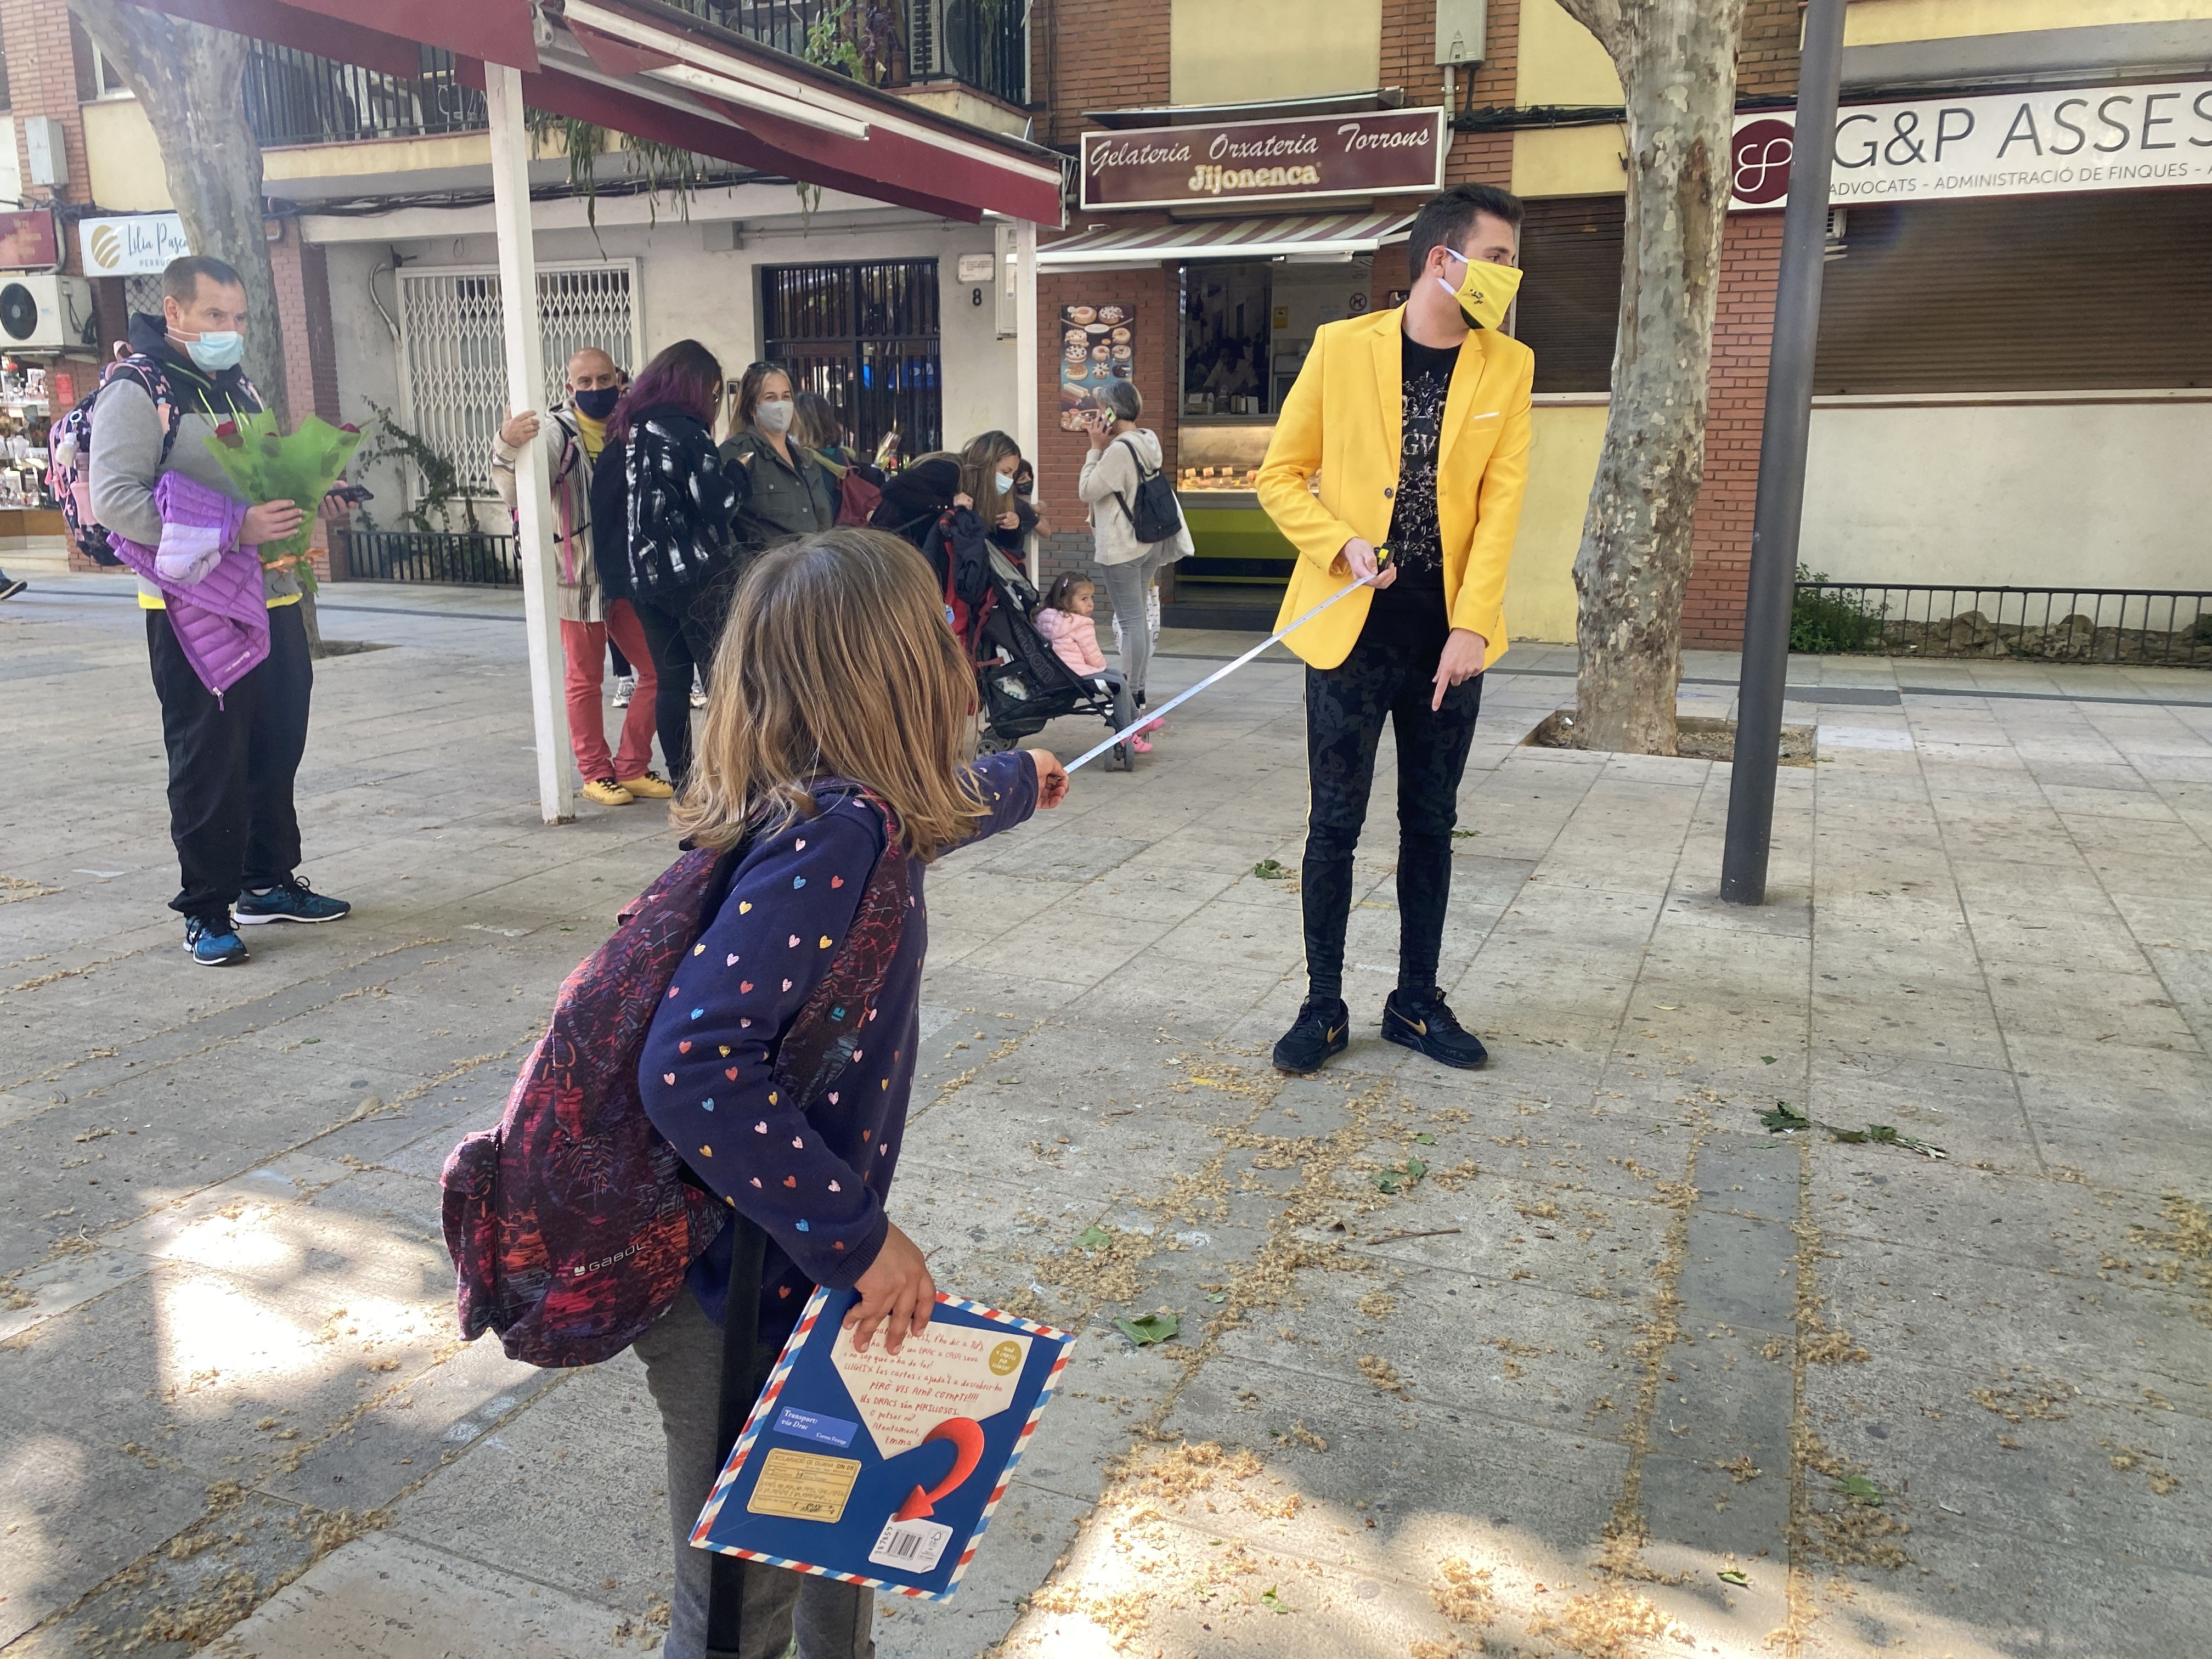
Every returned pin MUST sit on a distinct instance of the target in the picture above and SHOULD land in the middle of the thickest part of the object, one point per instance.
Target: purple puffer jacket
(212, 584)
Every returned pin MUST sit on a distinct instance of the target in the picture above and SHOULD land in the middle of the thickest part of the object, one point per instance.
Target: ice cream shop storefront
(1209, 247)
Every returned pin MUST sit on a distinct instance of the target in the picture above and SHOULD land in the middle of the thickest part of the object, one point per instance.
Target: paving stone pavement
(1614, 1340)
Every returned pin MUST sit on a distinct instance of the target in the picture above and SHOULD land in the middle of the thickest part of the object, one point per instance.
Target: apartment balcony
(942, 53)
(296, 98)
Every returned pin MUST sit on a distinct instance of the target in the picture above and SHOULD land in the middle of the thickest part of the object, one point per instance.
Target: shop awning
(1312, 236)
(656, 72)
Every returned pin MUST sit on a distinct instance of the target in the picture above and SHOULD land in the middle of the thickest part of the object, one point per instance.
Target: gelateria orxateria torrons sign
(2034, 143)
(1380, 153)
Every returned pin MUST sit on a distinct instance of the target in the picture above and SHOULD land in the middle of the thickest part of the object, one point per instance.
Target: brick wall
(1766, 61)
(1153, 291)
(1751, 259)
(1087, 56)
(42, 80)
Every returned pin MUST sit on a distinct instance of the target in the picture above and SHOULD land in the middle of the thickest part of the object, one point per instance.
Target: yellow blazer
(1342, 421)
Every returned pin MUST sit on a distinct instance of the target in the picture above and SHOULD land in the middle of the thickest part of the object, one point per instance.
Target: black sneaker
(290, 900)
(1423, 1022)
(1319, 1033)
(9, 589)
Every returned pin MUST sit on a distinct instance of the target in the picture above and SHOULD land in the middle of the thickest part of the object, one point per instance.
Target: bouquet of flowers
(267, 465)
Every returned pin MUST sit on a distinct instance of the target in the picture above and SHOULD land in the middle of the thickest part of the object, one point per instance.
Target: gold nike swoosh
(1420, 1026)
(1333, 1035)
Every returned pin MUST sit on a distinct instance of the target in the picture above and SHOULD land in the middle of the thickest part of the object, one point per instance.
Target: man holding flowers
(233, 755)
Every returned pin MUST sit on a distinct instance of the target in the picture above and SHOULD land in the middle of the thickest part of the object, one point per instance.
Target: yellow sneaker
(607, 793)
(650, 787)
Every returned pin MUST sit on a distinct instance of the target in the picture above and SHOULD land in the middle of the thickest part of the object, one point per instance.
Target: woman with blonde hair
(836, 737)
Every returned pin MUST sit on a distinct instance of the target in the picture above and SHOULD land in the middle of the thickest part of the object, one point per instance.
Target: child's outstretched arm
(1016, 785)
(707, 1078)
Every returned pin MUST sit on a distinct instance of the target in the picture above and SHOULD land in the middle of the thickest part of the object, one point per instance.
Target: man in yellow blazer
(1406, 429)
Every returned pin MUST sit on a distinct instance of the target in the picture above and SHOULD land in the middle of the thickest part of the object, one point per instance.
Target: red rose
(227, 435)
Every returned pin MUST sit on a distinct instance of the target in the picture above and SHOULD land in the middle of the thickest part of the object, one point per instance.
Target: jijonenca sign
(2004, 144)
(1368, 154)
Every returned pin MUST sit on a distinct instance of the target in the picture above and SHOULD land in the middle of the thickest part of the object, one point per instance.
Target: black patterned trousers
(1345, 706)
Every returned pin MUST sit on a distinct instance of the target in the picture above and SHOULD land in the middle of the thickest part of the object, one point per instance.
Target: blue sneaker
(290, 900)
(214, 942)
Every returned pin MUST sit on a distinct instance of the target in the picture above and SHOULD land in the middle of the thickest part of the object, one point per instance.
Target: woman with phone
(1123, 453)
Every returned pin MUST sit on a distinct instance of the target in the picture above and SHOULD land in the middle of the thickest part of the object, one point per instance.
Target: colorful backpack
(572, 1224)
(69, 452)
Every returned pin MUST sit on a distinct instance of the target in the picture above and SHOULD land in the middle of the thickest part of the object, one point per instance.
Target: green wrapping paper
(267, 465)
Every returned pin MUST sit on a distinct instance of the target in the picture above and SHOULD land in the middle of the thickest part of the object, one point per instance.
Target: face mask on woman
(773, 417)
(1004, 481)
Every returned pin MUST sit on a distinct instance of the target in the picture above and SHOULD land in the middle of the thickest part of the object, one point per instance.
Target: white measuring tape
(1220, 673)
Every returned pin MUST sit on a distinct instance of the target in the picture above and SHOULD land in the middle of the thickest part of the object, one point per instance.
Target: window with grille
(863, 336)
(453, 358)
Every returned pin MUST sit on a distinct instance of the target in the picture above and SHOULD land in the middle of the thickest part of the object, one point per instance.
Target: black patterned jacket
(678, 500)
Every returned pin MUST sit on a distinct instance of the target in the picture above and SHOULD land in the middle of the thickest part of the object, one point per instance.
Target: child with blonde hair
(835, 739)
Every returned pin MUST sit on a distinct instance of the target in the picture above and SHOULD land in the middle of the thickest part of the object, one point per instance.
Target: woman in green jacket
(790, 493)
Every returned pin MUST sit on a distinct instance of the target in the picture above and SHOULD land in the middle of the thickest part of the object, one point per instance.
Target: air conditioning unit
(40, 311)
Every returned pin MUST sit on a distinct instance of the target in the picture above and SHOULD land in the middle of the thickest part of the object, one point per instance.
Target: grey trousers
(1130, 586)
(683, 1357)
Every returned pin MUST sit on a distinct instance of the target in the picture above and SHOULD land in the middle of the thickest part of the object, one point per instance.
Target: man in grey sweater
(232, 760)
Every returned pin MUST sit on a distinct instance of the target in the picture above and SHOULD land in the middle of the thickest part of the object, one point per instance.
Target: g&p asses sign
(2035, 143)
(1376, 153)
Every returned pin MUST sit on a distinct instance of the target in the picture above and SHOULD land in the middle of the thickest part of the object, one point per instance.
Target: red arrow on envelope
(967, 1438)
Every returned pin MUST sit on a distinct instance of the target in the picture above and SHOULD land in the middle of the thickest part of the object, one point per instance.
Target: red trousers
(585, 646)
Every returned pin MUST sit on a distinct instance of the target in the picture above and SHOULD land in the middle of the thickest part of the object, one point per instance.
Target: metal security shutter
(453, 358)
(864, 335)
(2021, 293)
(1570, 305)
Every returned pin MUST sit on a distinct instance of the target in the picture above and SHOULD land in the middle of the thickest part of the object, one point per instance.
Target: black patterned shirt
(1413, 604)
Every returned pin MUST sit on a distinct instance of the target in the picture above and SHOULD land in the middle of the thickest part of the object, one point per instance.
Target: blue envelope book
(884, 1469)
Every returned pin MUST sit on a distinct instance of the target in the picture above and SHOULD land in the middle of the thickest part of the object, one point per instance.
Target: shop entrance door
(864, 334)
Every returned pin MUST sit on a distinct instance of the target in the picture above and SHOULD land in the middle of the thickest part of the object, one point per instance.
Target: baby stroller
(1021, 681)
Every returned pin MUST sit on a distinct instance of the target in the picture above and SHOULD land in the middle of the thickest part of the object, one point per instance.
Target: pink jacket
(1074, 639)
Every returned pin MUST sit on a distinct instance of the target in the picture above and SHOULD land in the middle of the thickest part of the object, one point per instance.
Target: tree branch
(1606, 20)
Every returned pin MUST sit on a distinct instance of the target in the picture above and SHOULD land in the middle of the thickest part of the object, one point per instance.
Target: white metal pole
(525, 384)
(1025, 352)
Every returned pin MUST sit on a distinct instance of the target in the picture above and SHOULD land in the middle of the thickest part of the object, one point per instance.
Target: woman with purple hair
(664, 507)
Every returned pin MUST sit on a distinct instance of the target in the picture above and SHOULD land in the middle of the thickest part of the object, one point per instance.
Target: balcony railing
(296, 98)
(893, 43)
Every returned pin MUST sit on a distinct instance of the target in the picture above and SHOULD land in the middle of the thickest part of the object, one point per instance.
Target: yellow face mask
(1485, 293)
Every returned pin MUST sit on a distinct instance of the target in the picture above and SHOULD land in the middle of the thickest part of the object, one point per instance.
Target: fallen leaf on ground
(1152, 1329)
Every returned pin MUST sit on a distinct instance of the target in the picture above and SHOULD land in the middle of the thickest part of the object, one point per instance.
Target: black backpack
(1156, 517)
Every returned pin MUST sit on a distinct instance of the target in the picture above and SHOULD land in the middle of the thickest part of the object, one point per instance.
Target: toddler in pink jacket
(1066, 623)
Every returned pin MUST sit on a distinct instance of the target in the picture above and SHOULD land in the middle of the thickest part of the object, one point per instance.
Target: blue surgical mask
(214, 350)
(1005, 480)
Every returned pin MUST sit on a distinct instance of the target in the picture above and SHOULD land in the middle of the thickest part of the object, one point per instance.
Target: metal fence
(864, 335)
(294, 97)
(2170, 630)
(416, 556)
(893, 43)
